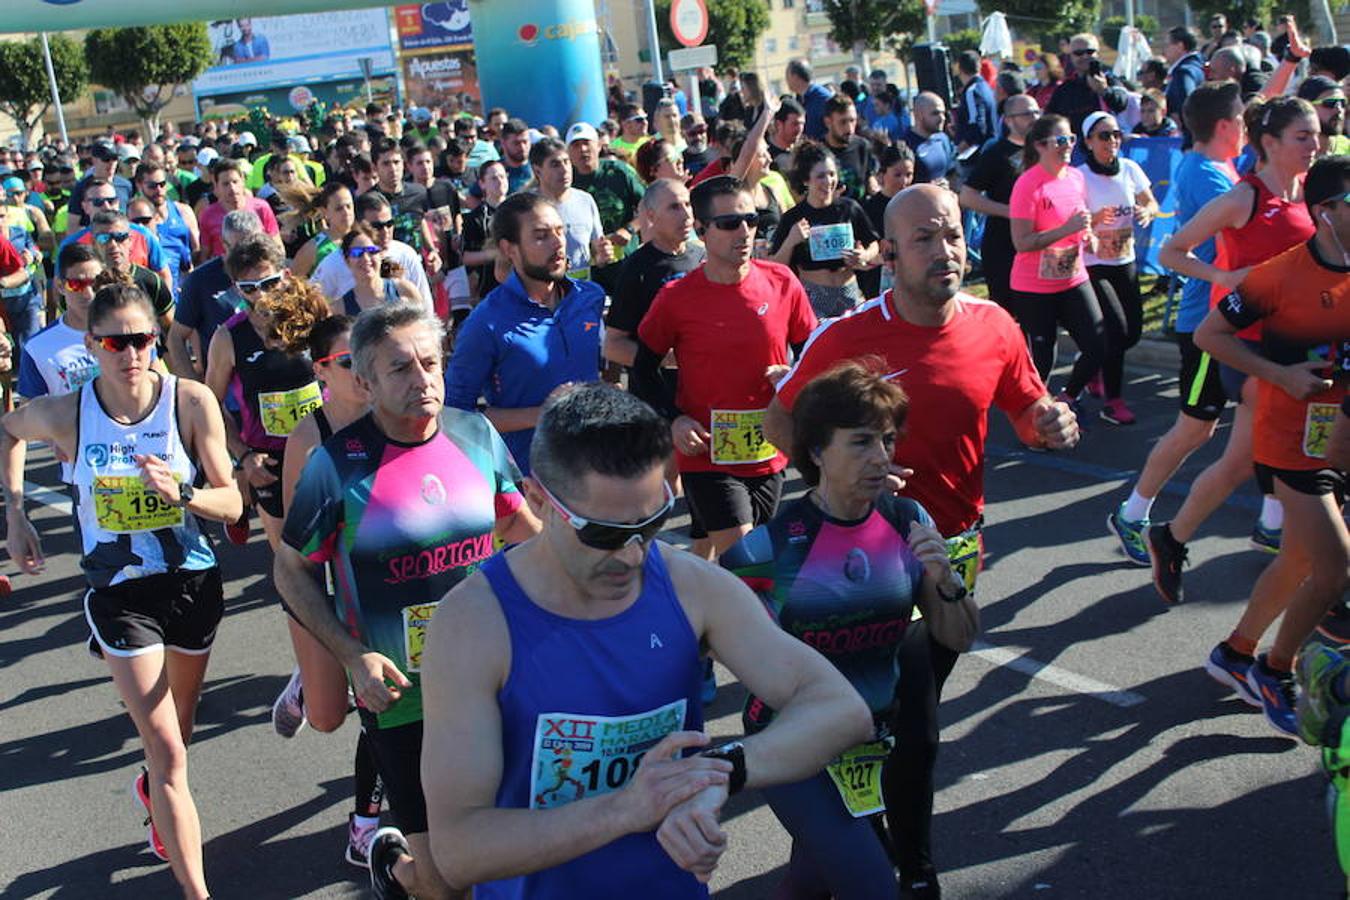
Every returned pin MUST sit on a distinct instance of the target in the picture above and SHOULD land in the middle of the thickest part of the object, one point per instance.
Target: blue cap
(13, 184)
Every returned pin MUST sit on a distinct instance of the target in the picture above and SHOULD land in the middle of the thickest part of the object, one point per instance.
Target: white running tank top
(127, 531)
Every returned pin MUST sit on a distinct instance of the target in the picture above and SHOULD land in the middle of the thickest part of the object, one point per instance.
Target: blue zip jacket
(513, 352)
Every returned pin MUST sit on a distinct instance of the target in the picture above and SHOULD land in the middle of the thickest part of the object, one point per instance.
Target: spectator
(698, 153)
(1049, 75)
(1082, 92)
(1153, 74)
(1218, 26)
(811, 96)
(1328, 98)
(1185, 73)
(1153, 120)
(974, 113)
(933, 151)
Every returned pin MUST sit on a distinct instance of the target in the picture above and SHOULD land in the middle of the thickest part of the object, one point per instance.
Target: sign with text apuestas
(689, 21)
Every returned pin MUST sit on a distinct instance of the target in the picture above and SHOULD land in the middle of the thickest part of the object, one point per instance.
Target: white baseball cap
(206, 156)
(582, 131)
(247, 139)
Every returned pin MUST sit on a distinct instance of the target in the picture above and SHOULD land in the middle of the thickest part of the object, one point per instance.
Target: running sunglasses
(1086, 51)
(75, 285)
(1333, 102)
(116, 343)
(387, 223)
(262, 284)
(1116, 135)
(600, 535)
(1059, 140)
(732, 221)
(142, 220)
(102, 201)
(343, 359)
(156, 184)
(120, 236)
(358, 252)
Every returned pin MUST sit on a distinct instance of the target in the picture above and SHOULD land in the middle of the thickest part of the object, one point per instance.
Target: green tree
(25, 95)
(144, 65)
(1057, 16)
(864, 24)
(733, 25)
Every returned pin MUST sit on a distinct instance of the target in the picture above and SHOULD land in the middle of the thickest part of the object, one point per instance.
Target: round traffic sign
(689, 21)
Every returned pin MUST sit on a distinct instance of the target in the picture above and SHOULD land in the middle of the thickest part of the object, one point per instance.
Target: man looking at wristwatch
(553, 767)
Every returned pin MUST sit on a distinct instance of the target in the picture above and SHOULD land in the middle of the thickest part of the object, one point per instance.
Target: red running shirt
(725, 336)
(953, 375)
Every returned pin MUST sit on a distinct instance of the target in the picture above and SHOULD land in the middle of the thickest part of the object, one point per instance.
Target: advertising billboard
(433, 26)
(430, 79)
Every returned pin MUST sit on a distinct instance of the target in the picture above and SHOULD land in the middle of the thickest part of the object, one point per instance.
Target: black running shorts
(175, 611)
(1314, 482)
(718, 501)
(398, 758)
(1202, 393)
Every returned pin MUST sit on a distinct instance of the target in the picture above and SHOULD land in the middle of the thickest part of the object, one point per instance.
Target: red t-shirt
(953, 374)
(725, 336)
(212, 217)
(711, 170)
(10, 260)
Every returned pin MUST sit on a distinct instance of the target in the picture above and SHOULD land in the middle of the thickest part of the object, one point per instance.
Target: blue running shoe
(1229, 668)
(1131, 535)
(1266, 539)
(1277, 692)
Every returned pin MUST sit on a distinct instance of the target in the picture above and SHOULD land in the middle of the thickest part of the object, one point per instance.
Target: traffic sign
(932, 6)
(693, 58)
(689, 21)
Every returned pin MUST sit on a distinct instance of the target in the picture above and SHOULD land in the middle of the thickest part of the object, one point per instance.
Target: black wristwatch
(734, 753)
(953, 598)
(185, 492)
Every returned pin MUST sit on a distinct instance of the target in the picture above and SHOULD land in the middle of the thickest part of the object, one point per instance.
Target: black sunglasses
(1087, 51)
(262, 284)
(732, 221)
(116, 343)
(102, 201)
(613, 535)
(142, 220)
(385, 223)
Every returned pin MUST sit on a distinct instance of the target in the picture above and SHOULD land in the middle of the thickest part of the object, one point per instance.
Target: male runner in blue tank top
(404, 503)
(561, 684)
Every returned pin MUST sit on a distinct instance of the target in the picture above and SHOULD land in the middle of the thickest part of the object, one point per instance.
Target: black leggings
(1117, 289)
(1040, 316)
(366, 779)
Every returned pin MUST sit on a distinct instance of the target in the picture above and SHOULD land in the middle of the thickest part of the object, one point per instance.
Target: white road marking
(47, 497)
(1071, 681)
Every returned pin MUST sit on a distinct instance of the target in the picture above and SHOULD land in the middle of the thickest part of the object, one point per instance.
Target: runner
(266, 374)
(934, 152)
(853, 153)
(537, 331)
(407, 200)
(103, 167)
(173, 223)
(208, 299)
(826, 238)
(565, 661)
(1302, 300)
(112, 235)
(56, 360)
(145, 249)
(154, 598)
(1214, 117)
(1118, 196)
(1261, 216)
(377, 280)
(616, 189)
(730, 323)
(586, 241)
(896, 165)
(334, 276)
(428, 487)
(515, 147)
(841, 569)
(480, 252)
(227, 182)
(957, 358)
(330, 206)
(1050, 228)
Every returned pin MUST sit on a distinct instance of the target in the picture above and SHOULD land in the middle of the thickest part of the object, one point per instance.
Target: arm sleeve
(472, 362)
(314, 519)
(31, 382)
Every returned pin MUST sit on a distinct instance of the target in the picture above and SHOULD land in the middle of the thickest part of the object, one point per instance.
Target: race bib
(829, 242)
(416, 619)
(124, 505)
(1059, 263)
(1118, 243)
(857, 777)
(578, 756)
(964, 552)
(281, 411)
(1317, 428)
(738, 437)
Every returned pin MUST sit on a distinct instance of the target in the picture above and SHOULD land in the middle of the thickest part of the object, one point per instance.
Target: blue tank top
(583, 701)
(177, 243)
(352, 308)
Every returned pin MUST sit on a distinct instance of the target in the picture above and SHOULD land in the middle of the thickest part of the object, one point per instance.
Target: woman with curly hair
(658, 158)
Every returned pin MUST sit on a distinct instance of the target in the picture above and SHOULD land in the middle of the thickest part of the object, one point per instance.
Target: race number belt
(857, 777)
(1059, 263)
(964, 552)
(416, 618)
(281, 411)
(1317, 428)
(124, 505)
(738, 437)
(829, 242)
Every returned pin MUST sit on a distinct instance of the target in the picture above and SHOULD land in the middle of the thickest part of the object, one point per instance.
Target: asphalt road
(1085, 753)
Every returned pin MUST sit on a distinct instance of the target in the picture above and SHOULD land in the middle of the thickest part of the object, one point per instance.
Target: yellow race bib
(738, 437)
(281, 411)
(964, 552)
(1317, 428)
(857, 777)
(123, 505)
(415, 621)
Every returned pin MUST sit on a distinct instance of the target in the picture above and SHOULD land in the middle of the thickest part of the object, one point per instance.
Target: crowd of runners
(462, 370)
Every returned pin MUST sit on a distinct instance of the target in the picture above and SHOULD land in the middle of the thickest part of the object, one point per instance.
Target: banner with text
(427, 27)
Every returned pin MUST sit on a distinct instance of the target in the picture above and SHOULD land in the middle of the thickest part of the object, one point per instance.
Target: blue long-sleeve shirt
(513, 352)
(975, 116)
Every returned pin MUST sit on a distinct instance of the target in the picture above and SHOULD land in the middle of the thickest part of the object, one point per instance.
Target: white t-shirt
(581, 217)
(335, 279)
(1115, 236)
